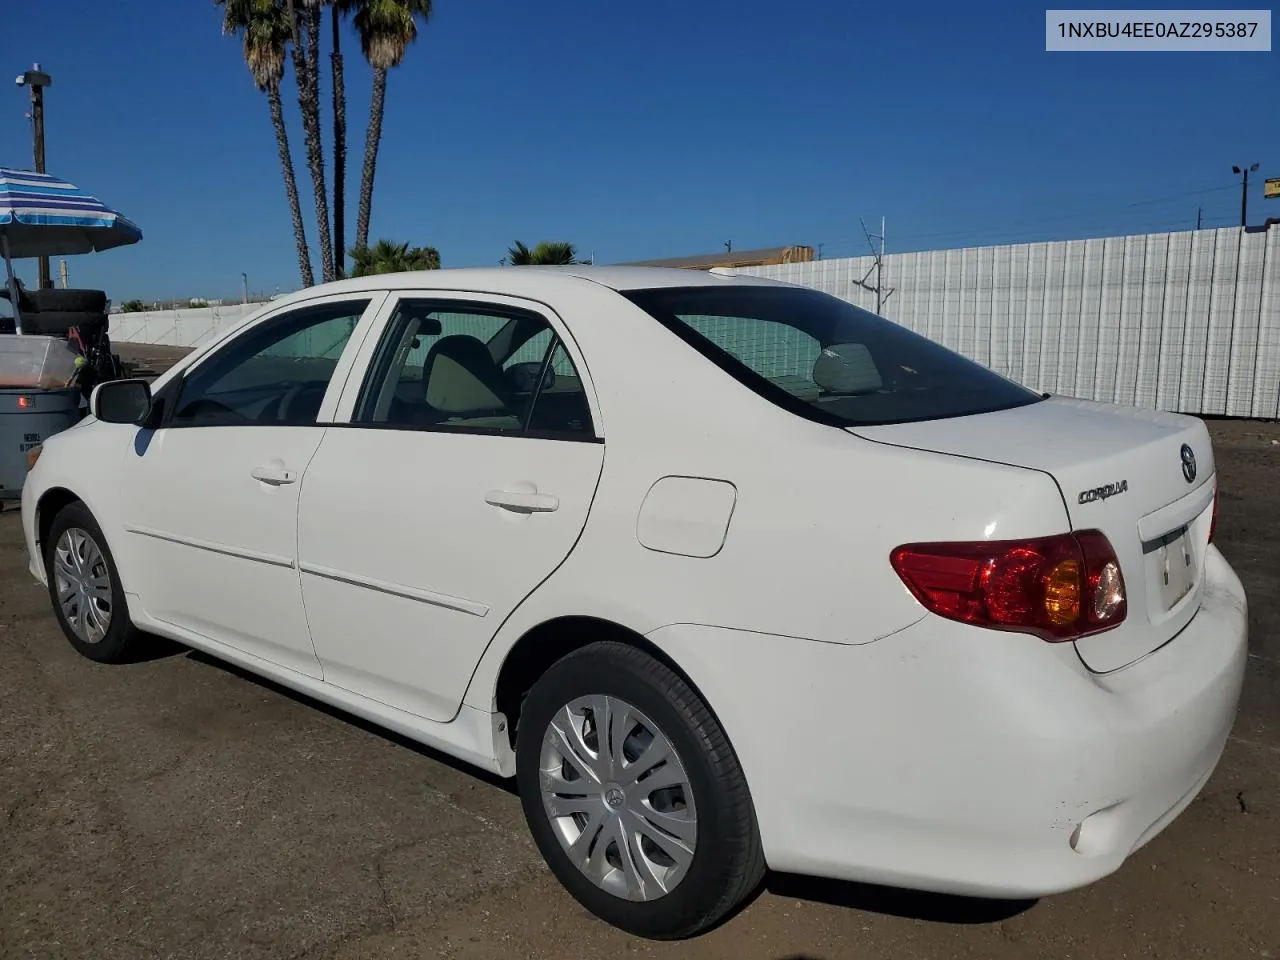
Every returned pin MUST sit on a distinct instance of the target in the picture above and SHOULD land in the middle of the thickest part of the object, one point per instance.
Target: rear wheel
(85, 588)
(633, 794)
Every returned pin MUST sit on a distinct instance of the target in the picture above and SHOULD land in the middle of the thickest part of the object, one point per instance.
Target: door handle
(522, 501)
(273, 473)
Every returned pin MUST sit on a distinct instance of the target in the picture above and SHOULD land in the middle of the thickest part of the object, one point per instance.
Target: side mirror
(121, 401)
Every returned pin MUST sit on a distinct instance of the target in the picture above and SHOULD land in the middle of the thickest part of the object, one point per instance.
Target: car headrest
(462, 377)
(846, 368)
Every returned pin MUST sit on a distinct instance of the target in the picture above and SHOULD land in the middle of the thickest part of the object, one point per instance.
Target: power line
(1003, 227)
(982, 237)
(877, 268)
(1041, 236)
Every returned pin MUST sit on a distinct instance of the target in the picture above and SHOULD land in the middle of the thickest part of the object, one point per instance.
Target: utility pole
(36, 80)
(882, 295)
(244, 288)
(1199, 213)
(1244, 191)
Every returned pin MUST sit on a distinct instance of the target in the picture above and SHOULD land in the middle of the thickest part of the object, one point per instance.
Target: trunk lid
(1144, 478)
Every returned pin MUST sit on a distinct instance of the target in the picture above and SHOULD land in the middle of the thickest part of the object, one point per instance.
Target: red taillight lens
(1213, 518)
(1058, 588)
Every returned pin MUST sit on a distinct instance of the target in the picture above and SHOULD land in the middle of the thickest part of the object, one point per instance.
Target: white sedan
(729, 574)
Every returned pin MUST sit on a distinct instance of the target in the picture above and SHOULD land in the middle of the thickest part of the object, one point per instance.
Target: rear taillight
(1057, 588)
(1213, 518)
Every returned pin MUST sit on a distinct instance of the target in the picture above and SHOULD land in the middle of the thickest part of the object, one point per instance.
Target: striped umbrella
(42, 216)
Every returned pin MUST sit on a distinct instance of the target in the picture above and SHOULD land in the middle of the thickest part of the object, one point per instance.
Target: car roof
(531, 280)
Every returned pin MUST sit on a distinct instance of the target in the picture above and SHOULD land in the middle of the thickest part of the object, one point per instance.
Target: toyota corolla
(730, 575)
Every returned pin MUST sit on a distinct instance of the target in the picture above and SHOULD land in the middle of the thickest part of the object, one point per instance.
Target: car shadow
(895, 902)
(359, 723)
(153, 648)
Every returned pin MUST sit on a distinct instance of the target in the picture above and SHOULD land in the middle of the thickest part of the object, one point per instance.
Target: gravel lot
(178, 808)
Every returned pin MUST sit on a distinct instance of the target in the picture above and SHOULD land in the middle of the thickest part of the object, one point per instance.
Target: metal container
(28, 417)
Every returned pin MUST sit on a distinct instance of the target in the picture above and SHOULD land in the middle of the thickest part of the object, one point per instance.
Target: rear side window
(826, 359)
(478, 368)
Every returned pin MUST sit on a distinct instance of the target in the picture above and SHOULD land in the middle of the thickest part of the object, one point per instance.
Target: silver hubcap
(83, 585)
(618, 798)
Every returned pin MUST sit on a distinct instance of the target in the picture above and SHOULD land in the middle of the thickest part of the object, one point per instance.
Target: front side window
(475, 367)
(825, 358)
(275, 374)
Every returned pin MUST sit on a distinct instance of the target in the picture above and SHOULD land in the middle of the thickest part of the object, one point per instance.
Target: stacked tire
(52, 313)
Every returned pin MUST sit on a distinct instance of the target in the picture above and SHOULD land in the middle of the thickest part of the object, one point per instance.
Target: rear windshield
(826, 359)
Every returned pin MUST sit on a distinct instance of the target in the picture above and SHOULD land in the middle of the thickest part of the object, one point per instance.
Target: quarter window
(473, 367)
(275, 374)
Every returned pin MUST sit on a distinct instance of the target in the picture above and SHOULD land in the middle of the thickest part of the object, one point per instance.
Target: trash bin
(28, 416)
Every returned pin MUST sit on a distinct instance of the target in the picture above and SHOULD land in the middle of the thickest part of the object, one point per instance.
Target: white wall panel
(1242, 363)
(1120, 325)
(1266, 378)
(1150, 323)
(1222, 309)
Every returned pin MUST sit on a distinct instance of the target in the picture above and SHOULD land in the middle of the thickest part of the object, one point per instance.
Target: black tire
(56, 323)
(68, 301)
(121, 641)
(727, 863)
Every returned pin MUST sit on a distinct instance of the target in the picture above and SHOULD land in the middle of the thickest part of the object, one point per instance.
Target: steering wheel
(206, 409)
(292, 406)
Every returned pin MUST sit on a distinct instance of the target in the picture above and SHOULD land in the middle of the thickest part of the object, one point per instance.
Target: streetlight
(36, 80)
(1244, 191)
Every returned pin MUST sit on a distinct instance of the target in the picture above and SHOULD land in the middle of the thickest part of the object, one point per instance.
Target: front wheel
(85, 587)
(633, 794)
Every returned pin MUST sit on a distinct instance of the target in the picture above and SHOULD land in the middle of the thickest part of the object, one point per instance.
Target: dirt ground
(179, 809)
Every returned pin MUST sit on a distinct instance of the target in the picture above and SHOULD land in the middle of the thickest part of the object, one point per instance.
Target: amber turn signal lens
(1062, 593)
(32, 456)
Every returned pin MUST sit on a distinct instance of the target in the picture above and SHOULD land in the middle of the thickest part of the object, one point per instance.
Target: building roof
(725, 259)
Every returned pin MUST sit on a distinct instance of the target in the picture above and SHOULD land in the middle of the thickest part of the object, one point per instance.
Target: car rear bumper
(949, 758)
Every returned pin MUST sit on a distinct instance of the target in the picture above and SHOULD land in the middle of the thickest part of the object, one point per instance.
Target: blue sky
(642, 130)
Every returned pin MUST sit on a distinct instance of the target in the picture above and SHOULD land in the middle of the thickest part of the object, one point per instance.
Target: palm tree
(265, 28)
(386, 28)
(338, 9)
(387, 257)
(546, 252)
(306, 53)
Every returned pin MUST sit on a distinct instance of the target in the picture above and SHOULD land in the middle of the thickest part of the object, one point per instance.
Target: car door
(210, 497)
(459, 478)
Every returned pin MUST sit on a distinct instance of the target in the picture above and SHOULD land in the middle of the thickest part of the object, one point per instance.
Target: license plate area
(1171, 563)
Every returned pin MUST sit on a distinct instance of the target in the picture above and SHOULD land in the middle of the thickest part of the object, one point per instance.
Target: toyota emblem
(1188, 463)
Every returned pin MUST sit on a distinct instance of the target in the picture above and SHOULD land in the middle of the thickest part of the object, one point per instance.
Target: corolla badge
(1188, 463)
(1103, 492)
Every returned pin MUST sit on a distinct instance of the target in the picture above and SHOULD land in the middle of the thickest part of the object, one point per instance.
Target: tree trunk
(305, 55)
(371, 156)
(339, 148)
(290, 185)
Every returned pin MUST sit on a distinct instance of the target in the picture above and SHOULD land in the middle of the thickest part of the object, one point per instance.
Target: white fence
(188, 327)
(1174, 321)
